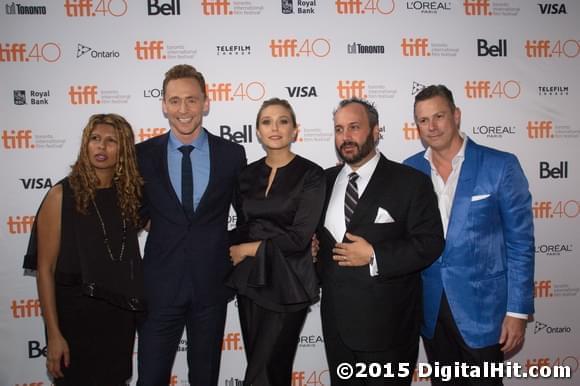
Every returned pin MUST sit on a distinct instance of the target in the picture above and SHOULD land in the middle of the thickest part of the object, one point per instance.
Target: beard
(362, 150)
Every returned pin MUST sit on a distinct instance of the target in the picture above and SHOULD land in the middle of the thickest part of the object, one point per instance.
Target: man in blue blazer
(189, 177)
(478, 295)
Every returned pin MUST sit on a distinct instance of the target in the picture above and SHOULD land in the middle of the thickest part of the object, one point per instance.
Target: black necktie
(351, 197)
(186, 180)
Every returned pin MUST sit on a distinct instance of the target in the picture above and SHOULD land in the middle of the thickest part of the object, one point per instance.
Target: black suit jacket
(382, 312)
(177, 246)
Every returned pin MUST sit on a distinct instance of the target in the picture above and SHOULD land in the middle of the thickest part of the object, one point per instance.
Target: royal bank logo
(87, 51)
(300, 7)
(19, 9)
(34, 97)
(233, 50)
(364, 49)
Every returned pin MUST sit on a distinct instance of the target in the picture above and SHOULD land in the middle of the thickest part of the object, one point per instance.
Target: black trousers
(399, 358)
(270, 341)
(162, 329)
(447, 346)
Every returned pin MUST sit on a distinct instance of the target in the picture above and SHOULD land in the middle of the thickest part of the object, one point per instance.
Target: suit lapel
(213, 157)
(331, 175)
(162, 169)
(464, 191)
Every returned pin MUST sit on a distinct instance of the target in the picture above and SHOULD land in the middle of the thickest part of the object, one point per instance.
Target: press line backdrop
(512, 65)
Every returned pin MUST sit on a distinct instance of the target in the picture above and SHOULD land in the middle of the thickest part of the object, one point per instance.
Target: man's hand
(355, 254)
(513, 331)
(314, 248)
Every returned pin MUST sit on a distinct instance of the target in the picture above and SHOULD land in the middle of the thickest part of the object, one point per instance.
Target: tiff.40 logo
(88, 8)
(361, 7)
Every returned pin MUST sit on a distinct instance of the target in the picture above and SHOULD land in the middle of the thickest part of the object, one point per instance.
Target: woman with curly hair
(89, 273)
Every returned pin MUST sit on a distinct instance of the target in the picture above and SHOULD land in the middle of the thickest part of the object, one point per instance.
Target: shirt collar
(200, 143)
(459, 157)
(366, 171)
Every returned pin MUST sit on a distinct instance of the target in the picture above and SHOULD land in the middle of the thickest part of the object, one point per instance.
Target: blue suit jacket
(487, 267)
(177, 246)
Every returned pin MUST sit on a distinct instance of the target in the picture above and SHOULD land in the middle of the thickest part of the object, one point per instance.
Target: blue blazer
(177, 246)
(487, 266)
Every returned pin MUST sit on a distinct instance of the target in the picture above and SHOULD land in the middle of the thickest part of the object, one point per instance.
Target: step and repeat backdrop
(513, 66)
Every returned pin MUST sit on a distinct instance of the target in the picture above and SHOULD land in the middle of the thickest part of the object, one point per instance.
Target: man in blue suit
(189, 177)
(478, 295)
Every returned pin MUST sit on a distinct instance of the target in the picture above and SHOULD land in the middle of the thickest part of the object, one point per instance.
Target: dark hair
(370, 108)
(276, 102)
(182, 71)
(433, 91)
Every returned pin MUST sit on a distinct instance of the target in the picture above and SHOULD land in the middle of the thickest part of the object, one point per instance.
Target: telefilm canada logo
(233, 50)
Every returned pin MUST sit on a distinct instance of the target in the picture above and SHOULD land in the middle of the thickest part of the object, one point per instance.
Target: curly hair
(127, 180)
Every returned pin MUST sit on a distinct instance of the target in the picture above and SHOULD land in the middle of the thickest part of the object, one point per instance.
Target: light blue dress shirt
(199, 162)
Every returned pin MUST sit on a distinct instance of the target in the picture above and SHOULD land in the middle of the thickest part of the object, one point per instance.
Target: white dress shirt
(334, 220)
(445, 191)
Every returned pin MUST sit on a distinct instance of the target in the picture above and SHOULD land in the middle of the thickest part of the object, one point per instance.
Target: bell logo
(486, 49)
(410, 132)
(232, 342)
(25, 308)
(415, 47)
(556, 172)
(239, 136)
(477, 7)
(540, 129)
(17, 139)
(217, 7)
(150, 132)
(552, 8)
(150, 50)
(83, 95)
(167, 9)
(543, 289)
(35, 350)
(351, 89)
(542, 209)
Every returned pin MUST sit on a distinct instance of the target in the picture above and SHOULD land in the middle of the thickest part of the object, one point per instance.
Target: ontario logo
(86, 51)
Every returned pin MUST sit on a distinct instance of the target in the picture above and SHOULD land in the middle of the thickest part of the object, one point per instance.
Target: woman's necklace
(106, 238)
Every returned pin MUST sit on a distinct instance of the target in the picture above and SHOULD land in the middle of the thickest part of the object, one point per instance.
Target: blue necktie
(186, 180)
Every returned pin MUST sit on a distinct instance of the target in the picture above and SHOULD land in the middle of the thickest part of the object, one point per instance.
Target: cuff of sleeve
(517, 315)
(373, 266)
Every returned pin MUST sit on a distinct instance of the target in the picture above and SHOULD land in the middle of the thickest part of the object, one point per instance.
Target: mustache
(349, 143)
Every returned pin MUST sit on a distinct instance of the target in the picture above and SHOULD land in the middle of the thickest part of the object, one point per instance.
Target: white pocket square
(479, 197)
(383, 217)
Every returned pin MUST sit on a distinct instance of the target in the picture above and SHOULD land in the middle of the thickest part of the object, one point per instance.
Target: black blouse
(281, 277)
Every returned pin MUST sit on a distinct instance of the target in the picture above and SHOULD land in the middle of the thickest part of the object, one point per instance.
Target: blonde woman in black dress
(279, 202)
(88, 262)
